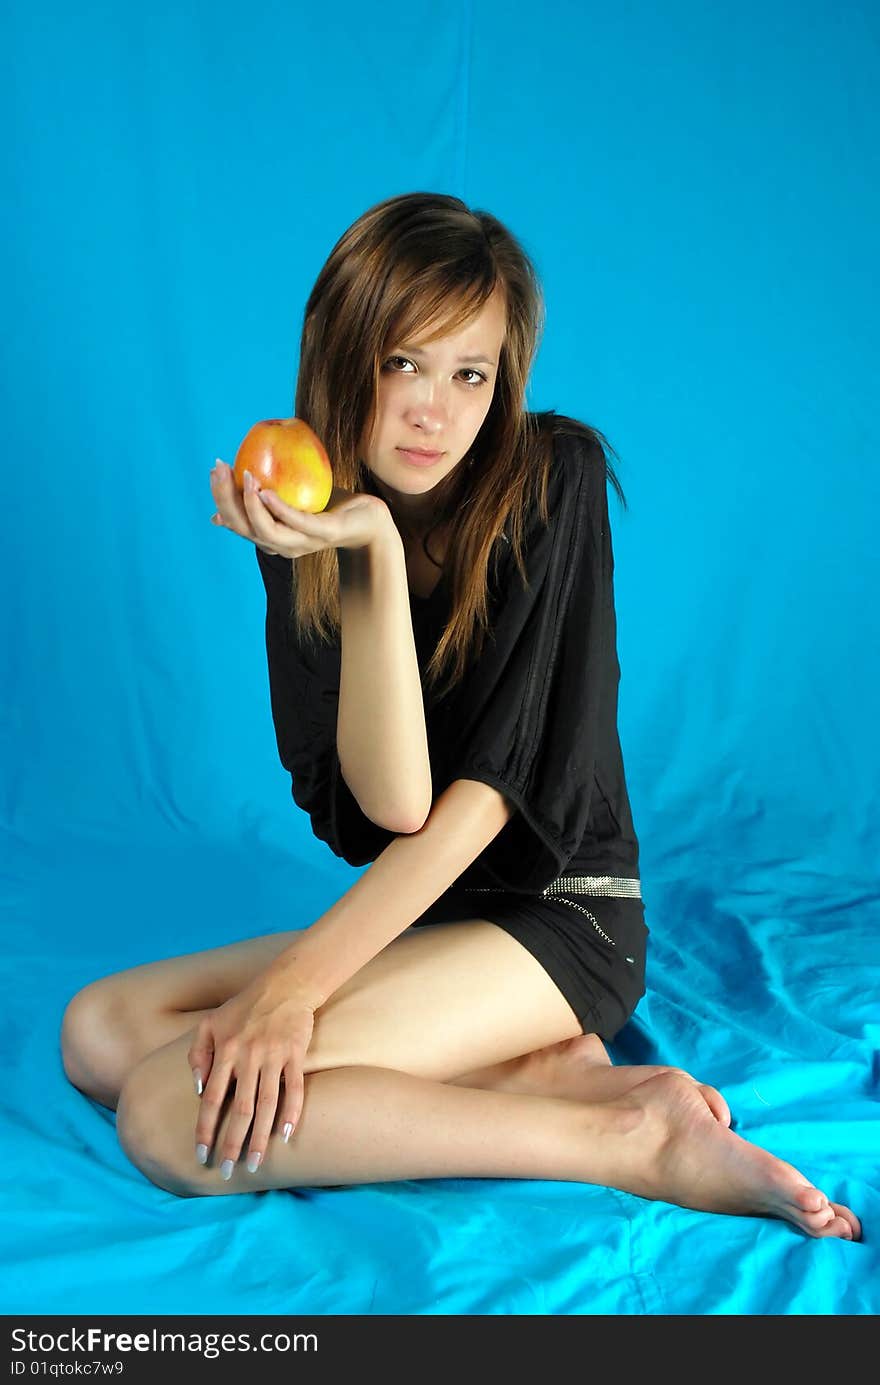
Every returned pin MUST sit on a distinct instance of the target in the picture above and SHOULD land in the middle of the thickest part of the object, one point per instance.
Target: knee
(148, 1130)
(95, 1049)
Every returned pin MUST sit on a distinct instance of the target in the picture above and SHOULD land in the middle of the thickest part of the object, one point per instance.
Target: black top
(535, 716)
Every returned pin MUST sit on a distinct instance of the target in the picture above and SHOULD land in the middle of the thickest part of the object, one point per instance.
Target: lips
(420, 451)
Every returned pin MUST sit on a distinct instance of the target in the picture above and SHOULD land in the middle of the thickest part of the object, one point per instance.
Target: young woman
(443, 674)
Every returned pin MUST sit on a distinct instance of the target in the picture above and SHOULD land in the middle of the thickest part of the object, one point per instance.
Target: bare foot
(580, 1070)
(697, 1162)
(558, 1070)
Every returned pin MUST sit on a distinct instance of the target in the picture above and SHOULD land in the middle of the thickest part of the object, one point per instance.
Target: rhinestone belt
(617, 885)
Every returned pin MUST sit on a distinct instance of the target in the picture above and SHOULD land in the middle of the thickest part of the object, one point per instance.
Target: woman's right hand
(350, 519)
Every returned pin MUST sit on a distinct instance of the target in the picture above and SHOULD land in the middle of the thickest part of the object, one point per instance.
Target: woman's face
(433, 397)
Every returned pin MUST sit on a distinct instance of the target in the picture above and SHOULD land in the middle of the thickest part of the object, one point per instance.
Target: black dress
(536, 717)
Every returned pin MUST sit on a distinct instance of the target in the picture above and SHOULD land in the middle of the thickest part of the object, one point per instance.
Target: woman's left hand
(255, 1038)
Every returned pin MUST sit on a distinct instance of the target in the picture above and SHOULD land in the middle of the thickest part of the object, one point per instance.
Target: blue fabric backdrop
(698, 187)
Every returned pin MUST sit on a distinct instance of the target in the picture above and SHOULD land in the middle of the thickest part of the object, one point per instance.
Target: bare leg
(578, 1069)
(114, 1023)
(368, 1124)
(382, 1094)
(541, 1072)
(419, 1006)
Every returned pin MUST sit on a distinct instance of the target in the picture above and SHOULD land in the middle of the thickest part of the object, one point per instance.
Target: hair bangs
(441, 300)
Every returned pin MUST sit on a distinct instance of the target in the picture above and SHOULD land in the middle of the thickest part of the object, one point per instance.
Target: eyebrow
(462, 360)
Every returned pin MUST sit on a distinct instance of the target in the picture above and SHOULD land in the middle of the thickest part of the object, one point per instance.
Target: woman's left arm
(409, 875)
(264, 1032)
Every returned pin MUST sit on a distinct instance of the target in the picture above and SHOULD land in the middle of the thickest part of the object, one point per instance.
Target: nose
(428, 409)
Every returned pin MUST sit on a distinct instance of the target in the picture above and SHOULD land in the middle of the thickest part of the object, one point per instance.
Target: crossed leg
(114, 1023)
(426, 1064)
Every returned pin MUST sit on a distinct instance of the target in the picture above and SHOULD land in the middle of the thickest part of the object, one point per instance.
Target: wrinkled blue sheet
(775, 1007)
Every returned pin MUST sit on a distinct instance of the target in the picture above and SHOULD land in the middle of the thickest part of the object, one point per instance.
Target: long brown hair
(403, 264)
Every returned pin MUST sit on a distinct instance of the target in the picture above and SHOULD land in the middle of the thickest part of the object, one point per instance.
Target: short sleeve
(304, 695)
(531, 716)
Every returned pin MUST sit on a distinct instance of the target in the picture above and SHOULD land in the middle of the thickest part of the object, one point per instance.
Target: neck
(414, 515)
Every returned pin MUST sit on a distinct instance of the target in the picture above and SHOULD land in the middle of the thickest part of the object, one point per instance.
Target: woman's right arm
(381, 736)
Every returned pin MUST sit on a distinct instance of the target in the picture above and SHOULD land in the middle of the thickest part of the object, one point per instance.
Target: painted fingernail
(202, 1153)
(197, 1079)
(226, 1169)
(253, 1162)
(287, 1131)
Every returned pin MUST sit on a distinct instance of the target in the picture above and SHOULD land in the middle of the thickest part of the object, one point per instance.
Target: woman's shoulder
(572, 442)
(575, 463)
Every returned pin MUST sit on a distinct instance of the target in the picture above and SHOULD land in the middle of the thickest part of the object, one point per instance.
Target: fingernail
(288, 1129)
(249, 482)
(226, 1169)
(202, 1153)
(197, 1079)
(253, 1162)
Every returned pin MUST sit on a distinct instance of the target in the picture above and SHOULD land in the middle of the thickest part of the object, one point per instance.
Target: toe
(809, 1199)
(716, 1103)
(817, 1215)
(828, 1222)
(852, 1221)
(816, 1223)
(840, 1227)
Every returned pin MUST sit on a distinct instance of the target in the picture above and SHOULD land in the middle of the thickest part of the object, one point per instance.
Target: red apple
(286, 456)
